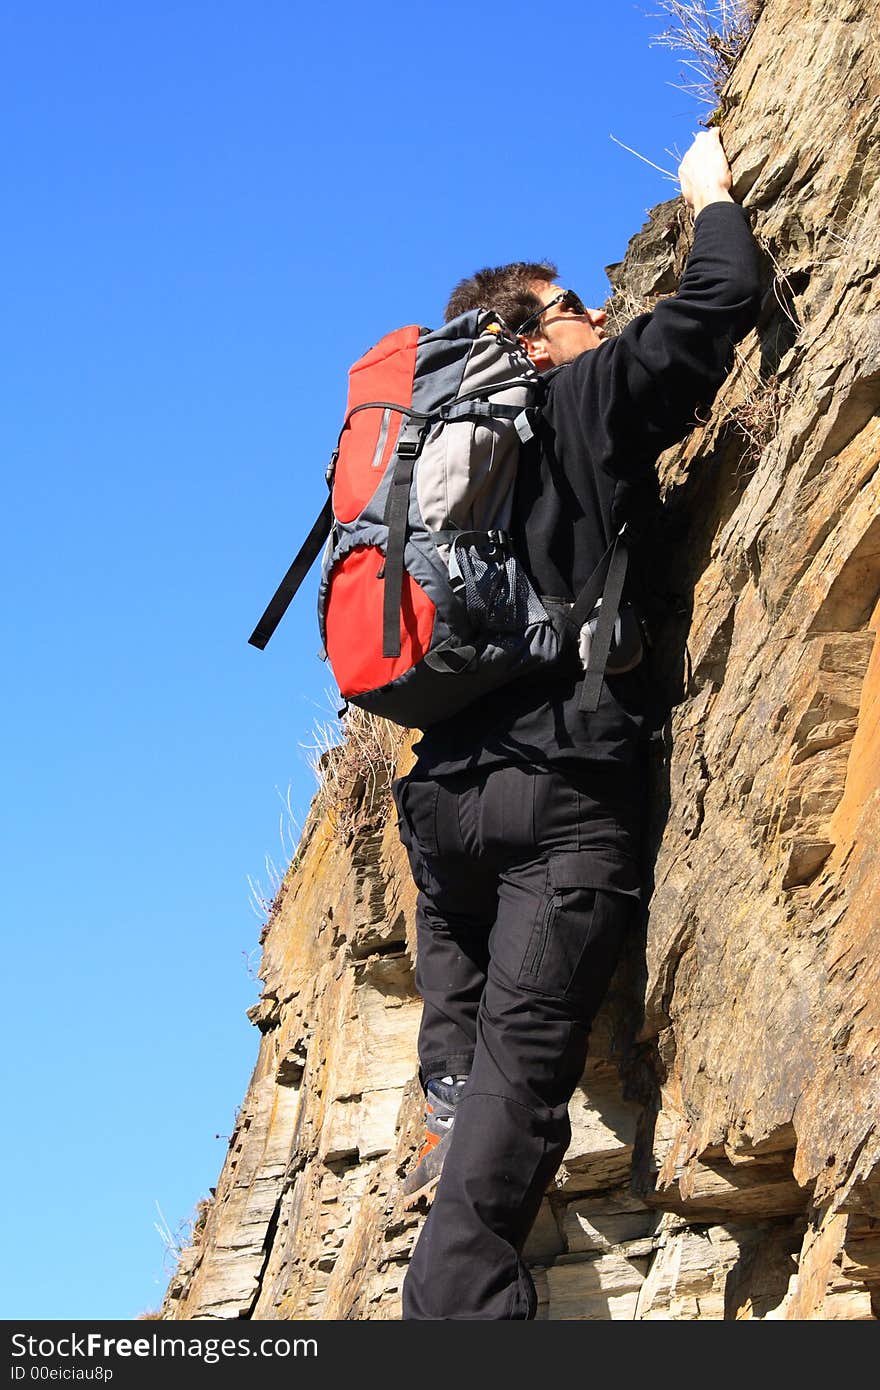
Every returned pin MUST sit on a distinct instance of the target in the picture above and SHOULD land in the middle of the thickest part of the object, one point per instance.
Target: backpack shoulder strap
(606, 582)
(600, 646)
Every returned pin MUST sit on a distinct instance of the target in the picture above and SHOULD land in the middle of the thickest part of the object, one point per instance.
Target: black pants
(518, 937)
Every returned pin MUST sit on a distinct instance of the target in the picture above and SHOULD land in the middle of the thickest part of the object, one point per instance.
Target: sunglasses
(567, 299)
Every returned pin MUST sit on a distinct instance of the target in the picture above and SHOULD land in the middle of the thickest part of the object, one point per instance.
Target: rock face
(725, 1158)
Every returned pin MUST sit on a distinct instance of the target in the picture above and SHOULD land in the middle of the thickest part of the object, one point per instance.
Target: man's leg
(455, 912)
(553, 950)
(452, 958)
(511, 847)
(450, 976)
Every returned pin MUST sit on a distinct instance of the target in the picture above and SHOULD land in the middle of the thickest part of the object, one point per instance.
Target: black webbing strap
(308, 553)
(450, 657)
(594, 588)
(576, 614)
(409, 447)
(600, 645)
(605, 583)
(488, 410)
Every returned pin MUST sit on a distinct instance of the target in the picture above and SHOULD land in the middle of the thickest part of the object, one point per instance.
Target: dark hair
(504, 289)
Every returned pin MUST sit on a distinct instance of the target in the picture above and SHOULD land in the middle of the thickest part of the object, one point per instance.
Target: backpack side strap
(280, 600)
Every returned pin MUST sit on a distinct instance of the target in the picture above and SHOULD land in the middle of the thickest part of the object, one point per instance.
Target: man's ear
(536, 349)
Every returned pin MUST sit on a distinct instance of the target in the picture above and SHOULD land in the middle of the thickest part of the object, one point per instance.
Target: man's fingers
(704, 174)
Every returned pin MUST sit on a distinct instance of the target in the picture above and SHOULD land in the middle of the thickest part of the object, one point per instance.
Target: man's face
(561, 335)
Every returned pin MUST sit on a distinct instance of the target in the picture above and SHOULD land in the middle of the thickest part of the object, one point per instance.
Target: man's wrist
(710, 195)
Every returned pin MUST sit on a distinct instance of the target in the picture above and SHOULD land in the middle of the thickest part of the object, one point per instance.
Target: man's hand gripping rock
(704, 173)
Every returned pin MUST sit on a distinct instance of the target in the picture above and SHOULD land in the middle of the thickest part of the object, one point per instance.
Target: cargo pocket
(577, 936)
(417, 814)
(397, 789)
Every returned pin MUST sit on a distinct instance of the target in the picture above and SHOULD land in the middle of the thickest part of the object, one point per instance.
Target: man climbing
(522, 816)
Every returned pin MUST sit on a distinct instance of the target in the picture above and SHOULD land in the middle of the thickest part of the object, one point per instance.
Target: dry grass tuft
(756, 417)
(713, 33)
(188, 1233)
(623, 306)
(354, 759)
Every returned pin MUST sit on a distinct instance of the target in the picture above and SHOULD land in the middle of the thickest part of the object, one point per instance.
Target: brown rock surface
(725, 1158)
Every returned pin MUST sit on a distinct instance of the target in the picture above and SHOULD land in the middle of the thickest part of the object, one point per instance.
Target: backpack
(423, 606)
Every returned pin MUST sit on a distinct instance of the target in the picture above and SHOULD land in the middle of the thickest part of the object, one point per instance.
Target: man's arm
(640, 392)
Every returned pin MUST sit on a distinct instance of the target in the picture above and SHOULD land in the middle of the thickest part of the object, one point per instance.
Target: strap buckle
(499, 540)
(410, 443)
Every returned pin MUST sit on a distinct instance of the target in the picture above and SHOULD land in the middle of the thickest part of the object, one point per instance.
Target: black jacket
(607, 416)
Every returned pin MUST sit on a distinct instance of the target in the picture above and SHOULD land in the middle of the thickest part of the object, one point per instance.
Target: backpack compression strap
(409, 446)
(308, 553)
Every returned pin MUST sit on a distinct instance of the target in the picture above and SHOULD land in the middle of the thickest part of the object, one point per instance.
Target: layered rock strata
(725, 1158)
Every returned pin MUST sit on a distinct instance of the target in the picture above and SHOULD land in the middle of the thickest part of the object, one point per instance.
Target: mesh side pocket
(494, 586)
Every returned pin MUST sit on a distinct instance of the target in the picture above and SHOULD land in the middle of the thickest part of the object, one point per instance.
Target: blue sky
(212, 209)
